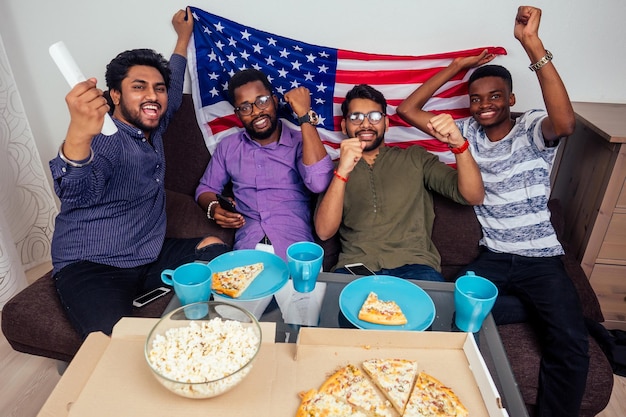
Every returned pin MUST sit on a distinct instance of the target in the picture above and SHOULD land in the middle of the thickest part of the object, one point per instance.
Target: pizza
(233, 282)
(321, 404)
(430, 398)
(377, 311)
(394, 377)
(409, 393)
(351, 384)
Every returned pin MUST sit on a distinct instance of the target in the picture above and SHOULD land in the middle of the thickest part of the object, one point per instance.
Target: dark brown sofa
(34, 322)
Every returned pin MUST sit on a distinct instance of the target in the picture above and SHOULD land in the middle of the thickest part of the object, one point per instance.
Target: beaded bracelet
(208, 209)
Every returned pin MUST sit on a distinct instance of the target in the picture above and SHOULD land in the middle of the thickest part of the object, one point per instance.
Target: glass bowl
(204, 349)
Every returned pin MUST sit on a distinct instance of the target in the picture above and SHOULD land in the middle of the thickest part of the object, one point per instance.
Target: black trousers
(548, 294)
(96, 296)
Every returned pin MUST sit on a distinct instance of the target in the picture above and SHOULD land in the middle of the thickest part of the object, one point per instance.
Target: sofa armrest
(588, 298)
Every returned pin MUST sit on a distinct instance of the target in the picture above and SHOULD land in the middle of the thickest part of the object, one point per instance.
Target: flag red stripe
(454, 91)
(431, 145)
(343, 54)
(416, 76)
(219, 124)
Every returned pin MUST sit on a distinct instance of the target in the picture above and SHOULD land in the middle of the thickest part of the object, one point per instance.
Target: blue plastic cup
(192, 284)
(304, 260)
(474, 298)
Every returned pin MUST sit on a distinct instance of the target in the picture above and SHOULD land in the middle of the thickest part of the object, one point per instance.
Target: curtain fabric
(27, 205)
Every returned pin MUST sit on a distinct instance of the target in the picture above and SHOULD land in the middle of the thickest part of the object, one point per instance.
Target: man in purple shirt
(274, 169)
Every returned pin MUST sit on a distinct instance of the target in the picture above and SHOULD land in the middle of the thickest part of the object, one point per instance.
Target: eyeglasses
(261, 102)
(374, 117)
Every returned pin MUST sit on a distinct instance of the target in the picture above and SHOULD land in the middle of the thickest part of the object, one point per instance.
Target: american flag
(221, 47)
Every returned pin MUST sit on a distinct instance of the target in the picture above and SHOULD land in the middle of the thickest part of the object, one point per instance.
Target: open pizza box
(110, 377)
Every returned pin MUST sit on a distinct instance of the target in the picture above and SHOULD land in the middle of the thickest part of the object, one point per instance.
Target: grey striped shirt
(516, 173)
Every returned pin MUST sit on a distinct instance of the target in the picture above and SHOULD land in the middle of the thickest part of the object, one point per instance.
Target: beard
(134, 118)
(262, 134)
(375, 143)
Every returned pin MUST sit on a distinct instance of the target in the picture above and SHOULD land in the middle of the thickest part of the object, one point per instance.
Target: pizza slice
(351, 384)
(377, 311)
(233, 282)
(321, 404)
(430, 398)
(394, 377)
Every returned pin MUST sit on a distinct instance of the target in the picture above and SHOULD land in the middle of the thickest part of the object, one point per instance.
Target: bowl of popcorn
(202, 350)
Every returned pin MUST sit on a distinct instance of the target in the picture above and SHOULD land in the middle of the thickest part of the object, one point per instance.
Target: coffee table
(442, 294)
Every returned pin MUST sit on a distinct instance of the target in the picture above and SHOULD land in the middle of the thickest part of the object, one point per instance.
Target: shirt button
(63, 169)
(143, 140)
(158, 180)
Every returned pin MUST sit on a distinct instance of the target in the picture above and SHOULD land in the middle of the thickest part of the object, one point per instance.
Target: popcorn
(198, 360)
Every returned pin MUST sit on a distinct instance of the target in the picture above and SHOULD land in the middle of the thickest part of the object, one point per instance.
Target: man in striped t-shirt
(521, 253)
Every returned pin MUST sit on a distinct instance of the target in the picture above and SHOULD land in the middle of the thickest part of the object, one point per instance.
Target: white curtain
(27, 205)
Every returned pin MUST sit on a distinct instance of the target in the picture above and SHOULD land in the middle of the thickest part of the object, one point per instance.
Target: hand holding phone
(226, 204)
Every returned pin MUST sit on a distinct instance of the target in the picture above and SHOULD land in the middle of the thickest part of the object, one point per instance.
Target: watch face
(311, 117)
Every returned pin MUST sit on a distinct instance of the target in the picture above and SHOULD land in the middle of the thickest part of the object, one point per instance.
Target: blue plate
(416, 305)
(275, 272)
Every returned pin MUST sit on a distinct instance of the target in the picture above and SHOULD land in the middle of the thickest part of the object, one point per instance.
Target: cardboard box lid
(109, 376)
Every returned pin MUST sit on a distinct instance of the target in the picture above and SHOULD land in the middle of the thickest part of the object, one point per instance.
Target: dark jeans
(549, 296)
(96, 296)
(409, 271)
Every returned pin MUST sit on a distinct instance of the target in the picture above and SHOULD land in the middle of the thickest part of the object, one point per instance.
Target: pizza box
(109, 375)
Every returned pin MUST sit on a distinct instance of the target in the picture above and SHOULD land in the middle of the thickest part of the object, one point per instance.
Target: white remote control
(73, 76)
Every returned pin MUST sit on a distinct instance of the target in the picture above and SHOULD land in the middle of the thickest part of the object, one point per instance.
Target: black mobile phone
(226, 204)
(359, 269)
(150, 296)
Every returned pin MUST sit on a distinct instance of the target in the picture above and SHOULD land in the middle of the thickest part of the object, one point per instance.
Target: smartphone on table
(226, 204)
(359, 269)
(150, 296)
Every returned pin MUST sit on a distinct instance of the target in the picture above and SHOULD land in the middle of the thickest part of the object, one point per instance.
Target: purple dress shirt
(272, 187)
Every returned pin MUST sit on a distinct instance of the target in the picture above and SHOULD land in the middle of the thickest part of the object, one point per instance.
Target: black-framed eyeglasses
(261, 102)
(374, 117)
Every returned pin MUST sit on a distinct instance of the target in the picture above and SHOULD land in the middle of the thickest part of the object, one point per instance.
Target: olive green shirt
(388, 210)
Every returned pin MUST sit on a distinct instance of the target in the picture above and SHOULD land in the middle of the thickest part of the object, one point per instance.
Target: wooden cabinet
(590, 180)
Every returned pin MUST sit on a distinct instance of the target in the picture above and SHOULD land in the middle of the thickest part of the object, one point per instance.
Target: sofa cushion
(34, 321)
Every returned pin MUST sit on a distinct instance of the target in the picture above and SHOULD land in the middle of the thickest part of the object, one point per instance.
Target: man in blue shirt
(109, 242)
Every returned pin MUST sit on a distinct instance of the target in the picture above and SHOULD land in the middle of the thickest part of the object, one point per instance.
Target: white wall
(586, 38)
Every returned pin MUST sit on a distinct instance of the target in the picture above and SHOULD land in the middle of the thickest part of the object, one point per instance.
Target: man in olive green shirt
(379, 199)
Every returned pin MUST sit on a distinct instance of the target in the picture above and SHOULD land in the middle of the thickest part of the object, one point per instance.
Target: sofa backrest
(186, 153)
(456, 233)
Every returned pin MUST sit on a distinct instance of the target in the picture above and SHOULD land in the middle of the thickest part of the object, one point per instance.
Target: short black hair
(492, 71)
(118, 68)
(244, 77)
(363, 91)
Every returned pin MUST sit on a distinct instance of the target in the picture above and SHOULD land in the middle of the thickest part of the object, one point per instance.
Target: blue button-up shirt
(272, 187)
(113, 210)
